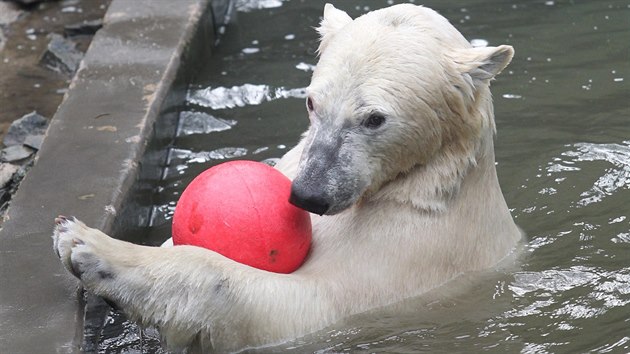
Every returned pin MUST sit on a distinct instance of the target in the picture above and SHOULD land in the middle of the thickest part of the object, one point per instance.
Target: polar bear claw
(74, 243)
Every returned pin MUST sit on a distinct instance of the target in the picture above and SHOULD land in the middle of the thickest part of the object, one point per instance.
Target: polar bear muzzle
(331, 177)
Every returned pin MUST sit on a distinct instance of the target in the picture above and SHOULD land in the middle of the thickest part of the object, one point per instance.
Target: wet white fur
(428, 216)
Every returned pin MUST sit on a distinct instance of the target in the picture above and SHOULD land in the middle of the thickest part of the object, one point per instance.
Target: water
(563, 154)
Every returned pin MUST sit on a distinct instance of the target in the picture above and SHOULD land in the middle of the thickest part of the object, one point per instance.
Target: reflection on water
(249, 5)
(201, 123)
(239, 96)
(563, 154)
(190, 157)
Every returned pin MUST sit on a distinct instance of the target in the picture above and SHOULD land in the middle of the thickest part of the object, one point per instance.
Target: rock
(34, 141)
(30, 124)
(16, 153)
(61, 55)
(10, 187)
(9, 13)
(83, 28)
(7, 171)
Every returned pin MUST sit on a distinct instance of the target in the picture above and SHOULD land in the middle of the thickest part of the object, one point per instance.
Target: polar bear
(397, 169)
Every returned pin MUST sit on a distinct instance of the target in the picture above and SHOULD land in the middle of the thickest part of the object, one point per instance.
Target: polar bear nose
(308, 201)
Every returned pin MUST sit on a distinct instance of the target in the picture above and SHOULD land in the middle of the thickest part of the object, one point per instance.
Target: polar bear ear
(333, 20)
(483, 64)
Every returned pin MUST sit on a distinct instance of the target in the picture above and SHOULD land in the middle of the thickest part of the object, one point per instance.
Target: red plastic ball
(241, 210)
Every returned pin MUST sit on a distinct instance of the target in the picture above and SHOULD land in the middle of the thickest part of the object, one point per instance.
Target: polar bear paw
(81, 250)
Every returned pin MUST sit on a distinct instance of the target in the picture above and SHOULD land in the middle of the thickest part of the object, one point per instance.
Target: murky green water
(563, 153)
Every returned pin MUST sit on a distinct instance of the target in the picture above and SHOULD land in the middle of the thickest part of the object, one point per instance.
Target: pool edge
(89, 162)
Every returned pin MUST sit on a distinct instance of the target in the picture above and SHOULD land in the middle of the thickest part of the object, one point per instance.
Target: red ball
(241, 210)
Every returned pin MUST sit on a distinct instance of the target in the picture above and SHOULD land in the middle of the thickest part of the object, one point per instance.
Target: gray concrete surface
(89, 162)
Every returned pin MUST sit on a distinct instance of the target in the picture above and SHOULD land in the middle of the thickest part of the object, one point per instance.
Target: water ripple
(604, 290)
(617, 177)
(551, 280)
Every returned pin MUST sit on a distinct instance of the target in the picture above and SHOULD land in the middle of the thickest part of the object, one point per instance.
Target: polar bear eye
(309, 104)
(374, 121)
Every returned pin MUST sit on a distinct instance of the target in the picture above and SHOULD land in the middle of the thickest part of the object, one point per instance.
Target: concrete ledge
(90, 160)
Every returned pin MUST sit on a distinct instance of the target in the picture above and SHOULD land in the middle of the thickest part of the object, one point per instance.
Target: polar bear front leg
(191, 292)
(167, 287)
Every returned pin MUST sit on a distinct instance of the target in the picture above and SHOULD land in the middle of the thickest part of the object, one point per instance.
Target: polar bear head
(394, 90)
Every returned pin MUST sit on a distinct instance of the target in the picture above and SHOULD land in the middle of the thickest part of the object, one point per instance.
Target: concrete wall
(104, 136)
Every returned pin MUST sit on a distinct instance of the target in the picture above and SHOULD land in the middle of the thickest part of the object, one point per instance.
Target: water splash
(241, 96)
